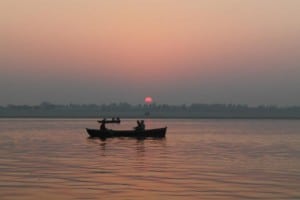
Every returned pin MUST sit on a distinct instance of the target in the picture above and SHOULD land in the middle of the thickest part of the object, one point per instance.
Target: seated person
(140, 125)
(102, 126)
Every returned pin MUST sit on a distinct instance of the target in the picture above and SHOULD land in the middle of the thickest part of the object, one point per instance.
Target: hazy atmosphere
(216, 51)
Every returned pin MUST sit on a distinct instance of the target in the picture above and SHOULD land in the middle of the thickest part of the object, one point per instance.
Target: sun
(148, 100)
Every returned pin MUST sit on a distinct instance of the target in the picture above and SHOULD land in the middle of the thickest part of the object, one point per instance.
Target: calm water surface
(199, 159)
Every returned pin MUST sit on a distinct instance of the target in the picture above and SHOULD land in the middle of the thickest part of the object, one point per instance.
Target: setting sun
(148, 100)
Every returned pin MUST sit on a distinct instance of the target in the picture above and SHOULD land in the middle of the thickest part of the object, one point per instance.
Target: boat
(109, 133)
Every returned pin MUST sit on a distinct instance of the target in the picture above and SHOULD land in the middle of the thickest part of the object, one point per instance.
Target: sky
(177, 52)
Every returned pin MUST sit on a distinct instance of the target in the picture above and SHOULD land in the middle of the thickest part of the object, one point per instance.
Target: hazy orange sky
(96, 51)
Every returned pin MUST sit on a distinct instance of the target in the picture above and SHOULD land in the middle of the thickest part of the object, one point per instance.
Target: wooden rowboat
(154, 133)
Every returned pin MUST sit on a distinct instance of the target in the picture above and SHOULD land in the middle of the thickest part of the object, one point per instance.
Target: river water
(198, 159)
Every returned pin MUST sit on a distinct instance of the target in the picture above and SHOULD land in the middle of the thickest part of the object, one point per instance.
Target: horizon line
(154, 103)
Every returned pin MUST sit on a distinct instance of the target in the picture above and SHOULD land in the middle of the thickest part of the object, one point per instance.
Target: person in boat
(143, 125)
(140, 125)
(102, 126)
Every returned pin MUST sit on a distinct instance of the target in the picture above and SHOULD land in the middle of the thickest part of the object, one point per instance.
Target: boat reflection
(139, 145)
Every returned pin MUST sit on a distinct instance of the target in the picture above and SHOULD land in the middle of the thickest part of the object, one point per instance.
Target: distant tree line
(197, 110)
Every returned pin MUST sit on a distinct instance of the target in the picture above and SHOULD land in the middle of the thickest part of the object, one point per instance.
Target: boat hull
(154, 133)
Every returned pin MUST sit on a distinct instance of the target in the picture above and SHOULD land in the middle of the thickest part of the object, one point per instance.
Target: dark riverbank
(124, 110)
